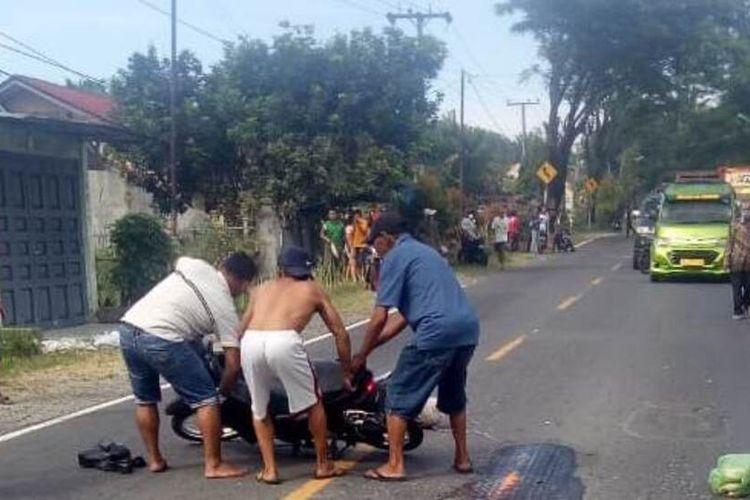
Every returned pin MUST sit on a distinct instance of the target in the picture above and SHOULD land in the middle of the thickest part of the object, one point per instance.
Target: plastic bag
(731, 477)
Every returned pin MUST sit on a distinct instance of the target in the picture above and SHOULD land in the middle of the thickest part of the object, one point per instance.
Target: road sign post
(546, 173)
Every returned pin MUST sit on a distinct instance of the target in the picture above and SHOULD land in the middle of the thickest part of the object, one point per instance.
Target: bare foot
(329, 471)
(224, 471)
(157, 466)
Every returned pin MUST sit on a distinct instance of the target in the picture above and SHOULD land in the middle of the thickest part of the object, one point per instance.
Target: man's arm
(232, 369)
(375, 328)
(332, 319)
(395, 325)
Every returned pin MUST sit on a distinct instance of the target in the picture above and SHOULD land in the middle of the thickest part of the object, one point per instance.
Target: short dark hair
(241, 265)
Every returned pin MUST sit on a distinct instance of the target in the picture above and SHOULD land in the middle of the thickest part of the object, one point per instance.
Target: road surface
(645, 383)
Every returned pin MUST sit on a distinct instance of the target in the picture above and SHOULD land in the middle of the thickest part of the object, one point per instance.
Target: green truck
(691, 232)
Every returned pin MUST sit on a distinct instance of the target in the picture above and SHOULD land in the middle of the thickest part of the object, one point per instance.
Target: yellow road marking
(506, 486)
(313, 486)
(565, 304)
(506, 349)
(597, 281)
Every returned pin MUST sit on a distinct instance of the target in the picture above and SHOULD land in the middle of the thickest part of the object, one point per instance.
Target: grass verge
(99, 364)
(352, 298)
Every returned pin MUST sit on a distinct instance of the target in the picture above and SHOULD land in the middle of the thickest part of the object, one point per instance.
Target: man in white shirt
(161, 336)
(499, 227)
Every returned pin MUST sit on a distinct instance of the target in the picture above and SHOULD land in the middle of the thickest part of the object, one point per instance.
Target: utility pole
(523, 105)
(462, 142)
(420, 18)
(172, 121)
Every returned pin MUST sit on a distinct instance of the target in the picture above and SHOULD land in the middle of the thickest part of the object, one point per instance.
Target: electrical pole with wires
(462, 141)
(419, 18)
(523, 105)
(173, 123)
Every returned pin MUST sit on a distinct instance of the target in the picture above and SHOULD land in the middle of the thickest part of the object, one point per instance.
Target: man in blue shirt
(418, 282)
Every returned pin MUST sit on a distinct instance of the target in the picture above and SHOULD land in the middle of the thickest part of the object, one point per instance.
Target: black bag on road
(110, 457)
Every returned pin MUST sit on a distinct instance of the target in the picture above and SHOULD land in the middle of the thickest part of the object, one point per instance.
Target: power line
(191, 26)
(50, 62)
(457, 34)
(26, 46)
(486, 108)
(5, 72)
(361, 7)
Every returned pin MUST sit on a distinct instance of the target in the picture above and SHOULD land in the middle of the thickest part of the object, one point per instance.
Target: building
(47, 262)
(110, 195)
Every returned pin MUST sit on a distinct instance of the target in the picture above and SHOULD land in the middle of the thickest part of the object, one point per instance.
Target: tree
(324, 122)
(597, 51)
(141, 92)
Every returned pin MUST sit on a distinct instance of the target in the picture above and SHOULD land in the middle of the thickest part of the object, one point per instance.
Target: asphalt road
(646, 383)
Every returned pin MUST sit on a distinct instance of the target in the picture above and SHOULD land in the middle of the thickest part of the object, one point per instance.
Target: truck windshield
(696, 212)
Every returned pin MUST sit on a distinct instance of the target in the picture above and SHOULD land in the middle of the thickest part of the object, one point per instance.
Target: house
(110, 195)
(47, 262)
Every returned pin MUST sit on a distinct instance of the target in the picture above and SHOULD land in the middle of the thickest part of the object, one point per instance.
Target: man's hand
(359, 362)
(348, 384)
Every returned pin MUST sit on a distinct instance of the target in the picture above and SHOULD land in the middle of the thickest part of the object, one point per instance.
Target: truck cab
(692, 230)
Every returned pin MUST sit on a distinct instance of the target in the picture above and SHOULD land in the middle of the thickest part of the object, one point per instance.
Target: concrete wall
(111, 197)
(268, 231)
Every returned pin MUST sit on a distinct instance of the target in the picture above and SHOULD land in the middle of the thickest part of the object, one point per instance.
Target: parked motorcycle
(473, 251)
(563, 242)
(353, 417)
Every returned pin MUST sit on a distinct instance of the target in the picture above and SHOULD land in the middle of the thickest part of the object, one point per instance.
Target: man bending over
(272, 348)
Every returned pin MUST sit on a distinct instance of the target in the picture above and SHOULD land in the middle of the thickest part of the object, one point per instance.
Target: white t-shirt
(173, 311)
(543, 222)
(500, 227)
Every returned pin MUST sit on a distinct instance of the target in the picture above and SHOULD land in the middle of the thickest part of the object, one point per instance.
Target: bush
(20, 342)
(143, 255)
(214, 244)
(109, 294)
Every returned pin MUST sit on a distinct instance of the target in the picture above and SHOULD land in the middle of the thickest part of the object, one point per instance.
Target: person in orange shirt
(361, 233)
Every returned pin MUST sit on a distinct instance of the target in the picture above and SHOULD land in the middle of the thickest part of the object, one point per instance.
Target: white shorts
(278, 354)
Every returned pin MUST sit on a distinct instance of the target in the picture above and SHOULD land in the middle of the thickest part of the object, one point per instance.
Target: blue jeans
(180, 363)
(418, 372)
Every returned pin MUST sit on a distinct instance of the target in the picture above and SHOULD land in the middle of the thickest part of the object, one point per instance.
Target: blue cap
(296, 262)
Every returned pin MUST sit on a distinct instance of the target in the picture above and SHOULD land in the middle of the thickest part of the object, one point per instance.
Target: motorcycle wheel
(187, 428)
(644, 263)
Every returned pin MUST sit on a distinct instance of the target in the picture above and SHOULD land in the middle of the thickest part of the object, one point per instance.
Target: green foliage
(487, 157)
(142, 95)
(20, 343)
(214, 244)
(299, 121)
(143, 254)
(109, 294)
(612, 67)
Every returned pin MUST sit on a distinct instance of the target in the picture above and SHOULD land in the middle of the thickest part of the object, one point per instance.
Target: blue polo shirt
(417, 281)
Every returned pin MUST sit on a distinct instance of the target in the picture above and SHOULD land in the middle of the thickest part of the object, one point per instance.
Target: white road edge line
(107, 404)
(591, 240)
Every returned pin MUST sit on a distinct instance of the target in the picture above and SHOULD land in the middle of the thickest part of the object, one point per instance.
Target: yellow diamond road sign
(591, 185)
(546, 172)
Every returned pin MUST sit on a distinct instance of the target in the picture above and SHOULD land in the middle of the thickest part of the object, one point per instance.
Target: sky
(96, 37)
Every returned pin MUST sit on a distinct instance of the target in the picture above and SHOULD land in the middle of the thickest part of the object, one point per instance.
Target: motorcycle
(353, 417)
(473, 251)
(564, 242)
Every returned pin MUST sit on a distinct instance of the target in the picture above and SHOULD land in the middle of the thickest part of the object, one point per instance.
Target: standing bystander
(419, 283)
(738, 262)
(500, 229)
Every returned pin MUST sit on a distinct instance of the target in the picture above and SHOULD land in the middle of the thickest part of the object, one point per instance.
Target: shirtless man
(272, 347)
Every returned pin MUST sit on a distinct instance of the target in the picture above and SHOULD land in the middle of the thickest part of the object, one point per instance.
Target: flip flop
(333, 474)
(463, 470)
(376, 475)
(270, 482)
